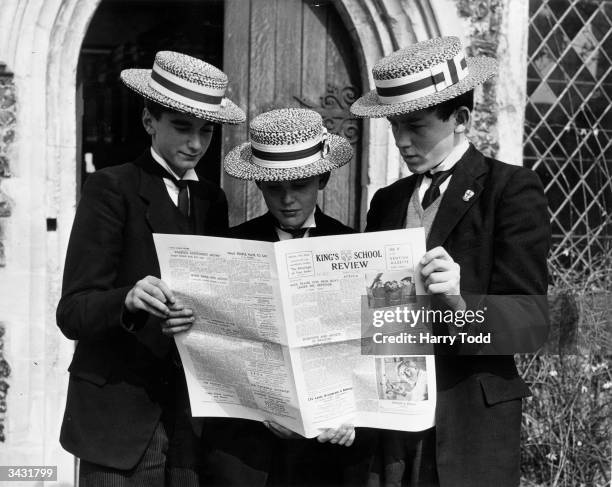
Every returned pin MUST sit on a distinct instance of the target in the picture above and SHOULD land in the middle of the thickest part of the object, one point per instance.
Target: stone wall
(496, 28)
(485, 19)
(7, 135)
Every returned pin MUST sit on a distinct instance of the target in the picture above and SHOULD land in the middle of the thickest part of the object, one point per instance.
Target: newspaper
(278, 329)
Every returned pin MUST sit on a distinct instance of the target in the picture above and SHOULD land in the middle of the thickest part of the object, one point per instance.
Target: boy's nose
(287, 197)
(403, 140)
(194, 142)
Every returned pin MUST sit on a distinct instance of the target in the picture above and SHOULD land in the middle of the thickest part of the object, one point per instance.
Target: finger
(439, 265)
(181, 313)
(351, 439)
(172, 322)
(176, 306)
(442, 288)
(441, 277)
(336, 435)
(176, 329)
(325, 436)
(145, 287)
(152, 304)
(435, 253)
(341, 432)
(346, 437)
(135, 303)
(167, 291)
(162, 291)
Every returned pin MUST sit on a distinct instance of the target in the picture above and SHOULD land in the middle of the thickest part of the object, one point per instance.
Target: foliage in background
(566, 424)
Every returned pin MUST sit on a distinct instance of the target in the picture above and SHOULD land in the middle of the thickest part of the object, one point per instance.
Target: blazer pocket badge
(468, 195)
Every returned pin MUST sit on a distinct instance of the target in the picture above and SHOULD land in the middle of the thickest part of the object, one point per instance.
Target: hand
(442, 276)
(151, 295)
(180, 319)
(281, 431)
(345, 435)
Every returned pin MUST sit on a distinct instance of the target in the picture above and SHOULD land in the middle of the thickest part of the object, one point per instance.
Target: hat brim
(480, 69)
(138, 80)
(239, 163)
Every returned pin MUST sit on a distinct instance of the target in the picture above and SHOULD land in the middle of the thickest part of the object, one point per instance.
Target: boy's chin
(291, 223)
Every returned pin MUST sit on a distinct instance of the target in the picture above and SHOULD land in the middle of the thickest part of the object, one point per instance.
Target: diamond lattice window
(568, 129)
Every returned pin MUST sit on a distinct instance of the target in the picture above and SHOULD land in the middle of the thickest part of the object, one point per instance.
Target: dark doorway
(127, 34)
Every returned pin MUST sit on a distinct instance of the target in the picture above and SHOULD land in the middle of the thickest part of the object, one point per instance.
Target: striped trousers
(153, 469)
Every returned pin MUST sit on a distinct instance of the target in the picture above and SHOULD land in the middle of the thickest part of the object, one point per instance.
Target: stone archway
(377, 29)
(40, 44)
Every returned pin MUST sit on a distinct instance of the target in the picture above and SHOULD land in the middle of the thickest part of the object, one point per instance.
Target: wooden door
(127, 34)
(292, 53)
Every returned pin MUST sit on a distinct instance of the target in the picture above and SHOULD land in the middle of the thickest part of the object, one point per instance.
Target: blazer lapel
(321, 225)
(199, 205)
(160, 212)
(394, 214)
(463, 191)
(268, 231)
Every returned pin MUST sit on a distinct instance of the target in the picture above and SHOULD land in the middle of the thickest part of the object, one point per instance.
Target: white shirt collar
(453, 157)
(310, 221)
(190, 174)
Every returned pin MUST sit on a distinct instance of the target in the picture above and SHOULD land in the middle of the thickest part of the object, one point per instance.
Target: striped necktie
(432, 193)
(183, 196)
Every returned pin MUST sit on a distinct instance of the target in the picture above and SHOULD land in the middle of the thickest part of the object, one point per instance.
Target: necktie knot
(296, 232)
(181, 183)
(433, 192)
(437, 178)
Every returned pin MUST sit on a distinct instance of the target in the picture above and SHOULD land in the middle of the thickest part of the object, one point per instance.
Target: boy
(127, 415)
(487, 234)
(290, 158)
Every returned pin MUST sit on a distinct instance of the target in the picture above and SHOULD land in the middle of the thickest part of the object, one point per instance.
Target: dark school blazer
(119, 380)
(242, 452)
(500, 236)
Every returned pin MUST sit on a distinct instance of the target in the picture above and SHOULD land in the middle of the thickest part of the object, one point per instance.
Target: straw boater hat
(287, 144)
(187, 85)
(422, 75)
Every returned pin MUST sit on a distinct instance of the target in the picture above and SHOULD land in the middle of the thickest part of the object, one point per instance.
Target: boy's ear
(323, 179)
(462, 119)
(147, 122)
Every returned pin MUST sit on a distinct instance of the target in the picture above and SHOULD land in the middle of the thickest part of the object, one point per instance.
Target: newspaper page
(235, 355)
(279, 329)
(333, 288)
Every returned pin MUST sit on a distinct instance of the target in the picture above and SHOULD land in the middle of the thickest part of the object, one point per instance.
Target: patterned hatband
(422, 75)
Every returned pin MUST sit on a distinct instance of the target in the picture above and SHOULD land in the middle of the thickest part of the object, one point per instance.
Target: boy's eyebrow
(178, 121)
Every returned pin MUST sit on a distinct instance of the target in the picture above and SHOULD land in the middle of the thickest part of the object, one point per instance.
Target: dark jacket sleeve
(516, 304)
(91, 306)
(521, 237)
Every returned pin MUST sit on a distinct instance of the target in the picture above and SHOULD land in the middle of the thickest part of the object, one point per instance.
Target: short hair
(156, 109)
(445, 109)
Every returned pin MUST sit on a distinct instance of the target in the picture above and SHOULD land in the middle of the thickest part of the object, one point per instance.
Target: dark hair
(155, 109)
(445, 109)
